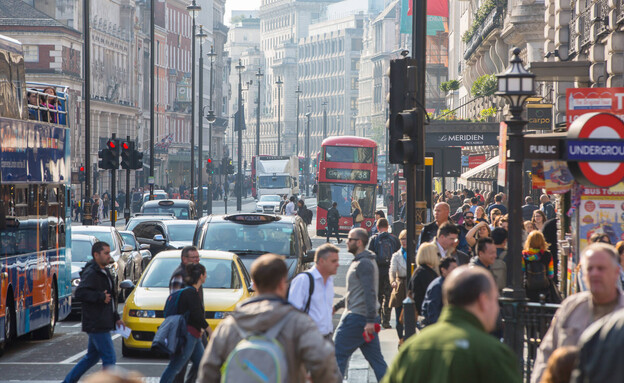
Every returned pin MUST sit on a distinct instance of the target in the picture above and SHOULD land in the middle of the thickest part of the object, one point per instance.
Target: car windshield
(80, 250)
(220, 273)
(104, 236)
(181, 212)
(272, 237)
(269, 198)
(343, 194)
(274, 182)
(181, 232)
(129, 239)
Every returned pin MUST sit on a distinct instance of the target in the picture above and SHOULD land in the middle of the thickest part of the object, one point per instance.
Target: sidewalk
(359, 369)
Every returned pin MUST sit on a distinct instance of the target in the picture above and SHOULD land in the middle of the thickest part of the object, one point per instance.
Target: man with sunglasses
(360, 316)
(469, 222)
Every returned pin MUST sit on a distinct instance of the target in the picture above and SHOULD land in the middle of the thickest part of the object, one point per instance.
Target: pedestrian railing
(528, 323)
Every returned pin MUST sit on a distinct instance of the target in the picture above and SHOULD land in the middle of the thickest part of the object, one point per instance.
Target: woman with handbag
(538, 268)
(356, 214)
(398, 275)
(190, 305)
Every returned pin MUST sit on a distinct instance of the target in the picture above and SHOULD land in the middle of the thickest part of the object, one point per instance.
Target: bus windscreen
(349, 154)
(343, 194)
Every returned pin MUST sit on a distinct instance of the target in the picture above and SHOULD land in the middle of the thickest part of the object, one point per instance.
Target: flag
(239, 119)
(437, 12)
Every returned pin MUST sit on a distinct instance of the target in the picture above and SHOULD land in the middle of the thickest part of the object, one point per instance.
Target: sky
(239, 5)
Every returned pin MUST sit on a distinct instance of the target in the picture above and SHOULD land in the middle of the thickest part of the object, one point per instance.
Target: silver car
(269, 204)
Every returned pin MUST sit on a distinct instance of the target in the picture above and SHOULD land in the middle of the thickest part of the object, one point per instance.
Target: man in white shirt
(320, 304)
(290, 206)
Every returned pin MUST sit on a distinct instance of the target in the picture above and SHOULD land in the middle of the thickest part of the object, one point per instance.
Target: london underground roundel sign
(595, 149)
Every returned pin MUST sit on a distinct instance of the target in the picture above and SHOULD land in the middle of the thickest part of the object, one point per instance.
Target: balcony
(493, 21)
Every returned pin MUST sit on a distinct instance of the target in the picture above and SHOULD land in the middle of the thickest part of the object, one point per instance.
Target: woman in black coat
(428, 263)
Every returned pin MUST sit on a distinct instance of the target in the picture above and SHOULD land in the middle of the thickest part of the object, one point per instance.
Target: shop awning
(480, 172)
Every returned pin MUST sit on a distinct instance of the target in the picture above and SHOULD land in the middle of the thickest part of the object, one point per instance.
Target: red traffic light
(111, 144)
(82, 168)
(125, 146)
(209, 160)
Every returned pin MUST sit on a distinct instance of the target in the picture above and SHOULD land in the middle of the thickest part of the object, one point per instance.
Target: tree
(484, 86)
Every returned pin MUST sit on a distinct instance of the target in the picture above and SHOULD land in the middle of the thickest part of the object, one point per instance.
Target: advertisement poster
(557, 177)
(537, 174)
(601, 211)
(502, 154)
(587, 100)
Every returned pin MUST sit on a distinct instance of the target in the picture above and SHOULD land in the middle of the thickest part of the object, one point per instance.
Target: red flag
(434, 7)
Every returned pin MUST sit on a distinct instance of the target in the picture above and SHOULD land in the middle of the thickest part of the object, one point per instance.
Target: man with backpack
(267, 328)
(313, 291)
(333, 219)
(384, 244)
(303, 212)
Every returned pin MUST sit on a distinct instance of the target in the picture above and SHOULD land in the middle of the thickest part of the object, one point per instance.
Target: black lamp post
(259, 76)
(210, 117)
(193, 9)
(516, 84)
(307, 151)
(239, 126)
(201, 37)
(298, 93)
(279, 83)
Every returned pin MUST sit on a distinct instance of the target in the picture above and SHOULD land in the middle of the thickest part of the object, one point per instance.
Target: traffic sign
(595, 149)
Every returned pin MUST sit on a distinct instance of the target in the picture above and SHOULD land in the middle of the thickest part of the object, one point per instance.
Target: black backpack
(306, 308)
(384, 248)
(536, 278)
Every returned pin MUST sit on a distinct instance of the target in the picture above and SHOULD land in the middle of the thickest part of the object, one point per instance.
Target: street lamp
(279, 83)
(193, 9)
(210, 117)
(298, 93)
(239, 126)
(259, 76)
(516, 84)
(324, 119)
(201, 37)
(307, 150)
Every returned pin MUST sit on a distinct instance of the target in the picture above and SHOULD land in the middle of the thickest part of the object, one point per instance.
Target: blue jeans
(193, 350)
(100, 346)
(348, 338)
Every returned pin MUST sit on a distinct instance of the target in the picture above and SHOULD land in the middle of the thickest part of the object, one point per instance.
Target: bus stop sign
(595, 149)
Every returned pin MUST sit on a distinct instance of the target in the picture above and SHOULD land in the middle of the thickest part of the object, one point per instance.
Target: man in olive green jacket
(459, 348)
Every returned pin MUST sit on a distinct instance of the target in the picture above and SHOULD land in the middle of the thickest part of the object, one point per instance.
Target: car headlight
(142, 313)
(75, 282)
(222, 314)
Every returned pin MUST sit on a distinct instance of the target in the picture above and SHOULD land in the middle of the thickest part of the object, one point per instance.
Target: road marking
(79, 355)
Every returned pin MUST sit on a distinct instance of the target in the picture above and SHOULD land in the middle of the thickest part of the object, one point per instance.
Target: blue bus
(35, 213)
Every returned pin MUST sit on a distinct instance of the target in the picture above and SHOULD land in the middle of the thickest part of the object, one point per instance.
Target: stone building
(329, 63)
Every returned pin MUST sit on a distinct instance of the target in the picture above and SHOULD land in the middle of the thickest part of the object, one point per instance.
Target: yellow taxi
(227, 283)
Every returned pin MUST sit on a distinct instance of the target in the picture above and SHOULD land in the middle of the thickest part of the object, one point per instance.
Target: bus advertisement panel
(347, 172)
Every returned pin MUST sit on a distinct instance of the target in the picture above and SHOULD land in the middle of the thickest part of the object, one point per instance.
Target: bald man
(440, 215)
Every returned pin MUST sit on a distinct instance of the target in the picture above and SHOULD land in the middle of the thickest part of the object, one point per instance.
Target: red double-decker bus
(347, 171)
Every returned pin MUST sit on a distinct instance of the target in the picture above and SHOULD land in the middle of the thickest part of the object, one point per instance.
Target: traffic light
(109, 156)
(137, 159)
(230, 167)
(81, 174)
(397, 104)
(407, 147)
(209, 167)
(127, 149)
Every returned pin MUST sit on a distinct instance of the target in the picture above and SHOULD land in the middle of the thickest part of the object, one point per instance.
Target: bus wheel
(9, 323)
(48, 331)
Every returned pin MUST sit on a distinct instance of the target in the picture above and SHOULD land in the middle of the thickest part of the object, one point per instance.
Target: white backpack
(258, 357)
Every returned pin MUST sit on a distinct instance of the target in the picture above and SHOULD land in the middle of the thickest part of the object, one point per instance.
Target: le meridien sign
(438, 140)
(595, 149)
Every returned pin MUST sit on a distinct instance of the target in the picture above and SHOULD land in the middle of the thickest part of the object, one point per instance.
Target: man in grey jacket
(304, 346)
(360, 316)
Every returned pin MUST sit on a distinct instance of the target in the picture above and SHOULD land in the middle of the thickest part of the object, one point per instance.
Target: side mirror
(159, 237)
(126, 284)
(309, 256)
(251, 288)
(127, 248)
(144, 246)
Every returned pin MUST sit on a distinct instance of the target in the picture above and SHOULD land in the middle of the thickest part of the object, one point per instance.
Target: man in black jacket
(97, 292)
(440, 214)
(333, 217)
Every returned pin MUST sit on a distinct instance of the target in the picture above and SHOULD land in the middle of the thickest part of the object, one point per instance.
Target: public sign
(538, 147)
(595, 149)
(580, 101)
(439, 140)
(476, 160)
